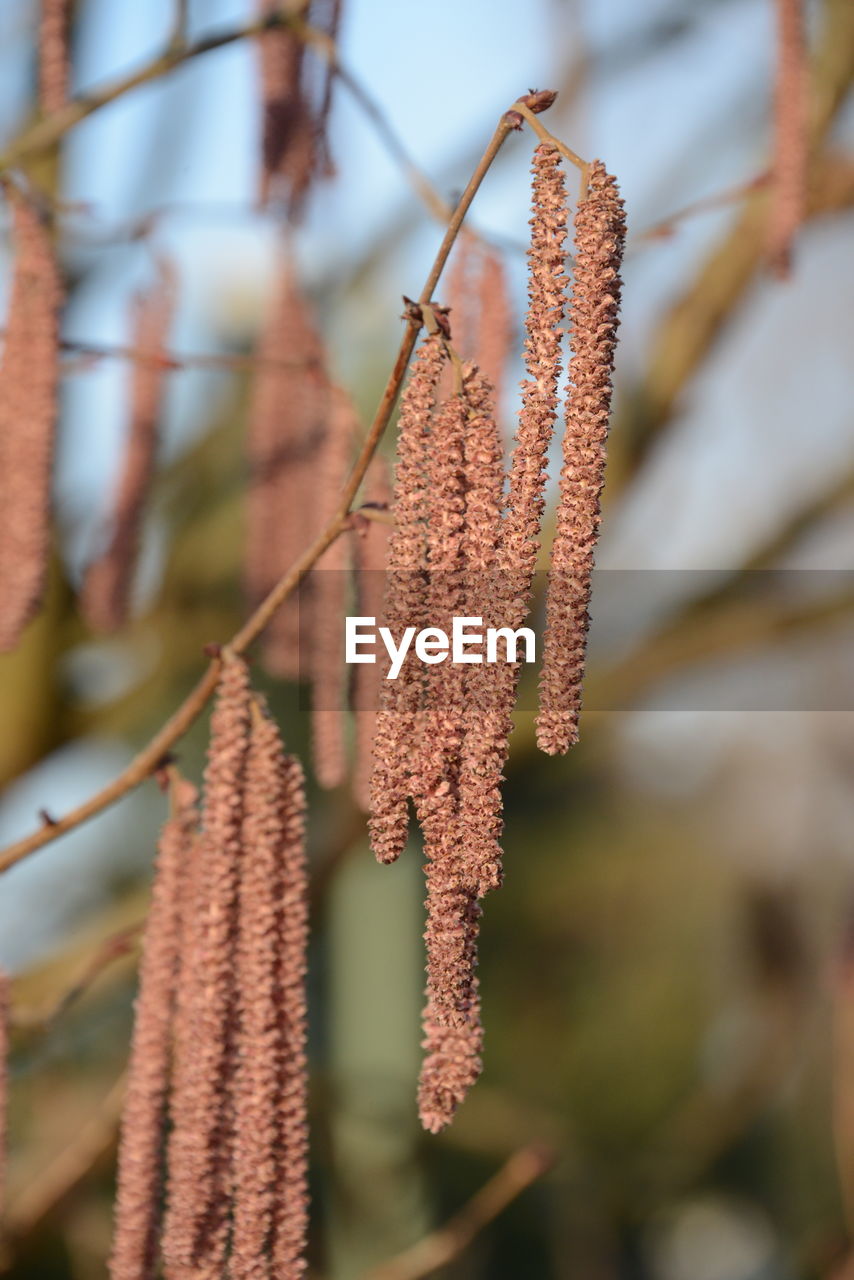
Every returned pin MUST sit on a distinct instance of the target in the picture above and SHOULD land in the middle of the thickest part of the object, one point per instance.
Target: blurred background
(668, 972)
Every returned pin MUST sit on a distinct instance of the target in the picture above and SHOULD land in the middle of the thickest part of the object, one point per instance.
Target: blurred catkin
(271, 1134)
(790, 134)
(405, 605)
(285, 433)
(141, 1144)
(54, 55)
(370, 557)
(29, 380)
(200, 1147)
(106, 591)
(329, 592)
(599, 237)
(494, 331)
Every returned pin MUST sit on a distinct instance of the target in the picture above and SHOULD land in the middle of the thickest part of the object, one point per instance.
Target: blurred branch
(172, 362)
(441, 1247)
(118, 944)
(31, 1205)
(694, 323)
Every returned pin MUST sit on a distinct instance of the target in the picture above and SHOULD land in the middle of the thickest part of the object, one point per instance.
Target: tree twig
(144, 764)
(442, 1246)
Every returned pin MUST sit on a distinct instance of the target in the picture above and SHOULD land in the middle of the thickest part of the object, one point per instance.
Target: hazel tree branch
(151, 756)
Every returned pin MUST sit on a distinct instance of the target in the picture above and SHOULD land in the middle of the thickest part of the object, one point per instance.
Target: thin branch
(44, 134)
(443, 1246)
(144, 764)
(174, 362)
(68, 1168)
(118, 944)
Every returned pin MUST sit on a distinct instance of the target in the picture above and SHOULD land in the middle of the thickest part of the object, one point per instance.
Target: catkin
(140, 1160)
(106, 591)
(790, 134)
(599, 237)
(405, 605)
(371, 563)
(200, 1148)
(329, 587)
(54, 68)
(29, 380)
(286, 423)
(270, 1194)
(494, 331)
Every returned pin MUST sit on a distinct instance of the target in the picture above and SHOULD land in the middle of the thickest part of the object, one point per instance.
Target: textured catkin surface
(141, 1144)
(106, 590)
(200, 1148)
(271, 1133)
(54, 62)
(599, 237)
(29, 380)
(395, 746)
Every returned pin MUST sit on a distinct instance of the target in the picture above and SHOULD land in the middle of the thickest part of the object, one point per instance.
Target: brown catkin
(600, 231)
(5, 1011)
(200, 1148)
(405, 605)
(452, 1033)
(489, 688)
(287, 417)
(370, 555)
(106, 591)
(494, 332)
(270, 1192)
(329, 588)
(790, 134)
(54, 60)
(141, 1144)
(29, 381)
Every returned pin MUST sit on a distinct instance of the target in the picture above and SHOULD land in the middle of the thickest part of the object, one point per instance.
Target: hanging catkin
(489, 688)
(370, 557)
(287, 417)
(141, 1144)
(405, 605)
(5, 1009)
(29, 380)
(452, 1033)
(790, 134)
(106, 590)
(599, 236)
(54, 31)
(494, 330)
(200, 1148)
(329, 588)
(271, 1134)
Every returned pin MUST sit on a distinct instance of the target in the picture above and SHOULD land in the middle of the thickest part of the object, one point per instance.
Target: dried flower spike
(200, 1148)
(599, 237)
(106, 591)
(29, 380)
(141, 1145)
(405, 605)
(287, 419)
(790, 134)
(54, 31)
(271, 1133)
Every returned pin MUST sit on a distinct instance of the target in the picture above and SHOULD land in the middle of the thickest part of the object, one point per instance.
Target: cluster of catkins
(218, 1053)
(464, 544)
